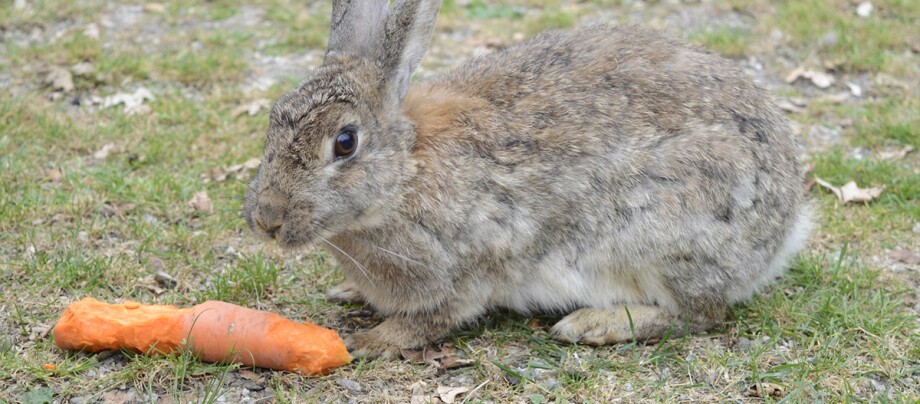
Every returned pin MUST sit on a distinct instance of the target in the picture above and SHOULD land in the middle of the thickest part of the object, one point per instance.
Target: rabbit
(626, 181)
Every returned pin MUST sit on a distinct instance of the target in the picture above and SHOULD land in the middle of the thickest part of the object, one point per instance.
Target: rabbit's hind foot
(623, 323)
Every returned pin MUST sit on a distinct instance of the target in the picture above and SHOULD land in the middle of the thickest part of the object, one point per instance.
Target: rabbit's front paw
(345, 292)
(395, 333)
(371, 344)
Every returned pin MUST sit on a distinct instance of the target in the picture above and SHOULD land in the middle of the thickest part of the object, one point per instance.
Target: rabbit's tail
(796, 239)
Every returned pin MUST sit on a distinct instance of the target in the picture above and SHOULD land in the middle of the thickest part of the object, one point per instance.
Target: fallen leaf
(252, 164)
(251, 108)
(103, 153)
(220, 174)
(534, 324)
(766, 390)
(453, 362)
(201, 202)
(442, 358)
(427, 354)
(133, 102)
(115, 397)
(417, 390)
(155, 8)
(449, 394)
(853, 193)
(164, 279)
(250, 375)
(788, 106)
(119, 210)
(60, 79)
(819, 79)
(896, 154)
(53, 175)
(850, 192)
(907, 257)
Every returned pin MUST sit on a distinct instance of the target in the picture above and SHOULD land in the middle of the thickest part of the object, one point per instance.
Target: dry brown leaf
(453, 362)
(220, 174)
(115, 397)
(819, 79)
(118, 210)
(53, 175)
(155, 8)
(789, 106)
(133, 102)
(418, 393)
(449, 394)
(907, 257)
(252, 164)
(102, 153)
(853, 193)
(896, 154)
(60, 79)
(850, 192)
(764, 390)
(442, 358)
(201, 202)
(250, 375)
(534, 324)
(251, 108)
(427, 354)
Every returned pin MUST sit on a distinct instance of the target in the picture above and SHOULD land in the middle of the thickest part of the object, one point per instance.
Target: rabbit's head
(337, 149)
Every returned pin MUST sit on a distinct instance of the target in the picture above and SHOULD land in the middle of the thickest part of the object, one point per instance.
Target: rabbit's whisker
(361, 267)
(395, 254)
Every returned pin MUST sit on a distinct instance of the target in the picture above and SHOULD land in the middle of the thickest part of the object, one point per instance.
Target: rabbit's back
(608, 151)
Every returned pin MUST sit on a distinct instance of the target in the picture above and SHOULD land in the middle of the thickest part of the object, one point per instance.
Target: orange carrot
(213, 331)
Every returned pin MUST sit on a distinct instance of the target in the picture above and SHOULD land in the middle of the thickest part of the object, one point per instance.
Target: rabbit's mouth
(293, 235)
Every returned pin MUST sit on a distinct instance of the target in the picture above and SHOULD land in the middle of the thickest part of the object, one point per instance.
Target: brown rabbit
(615, 174)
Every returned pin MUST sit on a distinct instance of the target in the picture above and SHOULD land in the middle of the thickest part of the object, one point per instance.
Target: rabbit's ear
(355, 27)
(406, 35)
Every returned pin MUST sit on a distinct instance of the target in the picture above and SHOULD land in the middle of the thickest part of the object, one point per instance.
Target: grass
(842, 326)
(727, 41)
(860, 43)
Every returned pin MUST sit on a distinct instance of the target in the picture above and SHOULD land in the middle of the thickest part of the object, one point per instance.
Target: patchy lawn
(95, 203)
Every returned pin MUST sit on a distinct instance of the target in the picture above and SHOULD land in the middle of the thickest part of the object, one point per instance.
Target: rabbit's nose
(268, 218)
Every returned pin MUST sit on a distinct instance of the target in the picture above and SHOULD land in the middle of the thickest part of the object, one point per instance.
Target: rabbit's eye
(345, 143)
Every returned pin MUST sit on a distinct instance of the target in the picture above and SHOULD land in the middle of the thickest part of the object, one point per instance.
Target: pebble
(864, 9)
(349, 385)
(877, 385)
(916, 228)
(81, 399)
(165, 280)
(743, 344)
(253, 386)
(150, 219)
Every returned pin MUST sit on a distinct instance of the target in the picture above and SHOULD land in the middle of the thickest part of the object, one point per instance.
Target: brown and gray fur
(635, 182)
